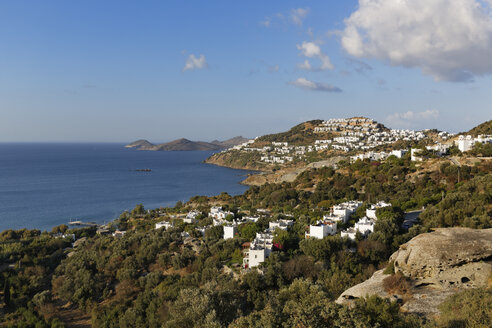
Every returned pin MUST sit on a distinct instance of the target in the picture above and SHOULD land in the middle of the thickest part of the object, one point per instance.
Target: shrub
(397, 284)
(390, 269)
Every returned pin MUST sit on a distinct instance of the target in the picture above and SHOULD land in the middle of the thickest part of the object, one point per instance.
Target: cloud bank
(450, 40)
(195, 63)
(306, 84)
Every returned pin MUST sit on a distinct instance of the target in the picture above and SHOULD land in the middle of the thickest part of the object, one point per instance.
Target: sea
(43, 185)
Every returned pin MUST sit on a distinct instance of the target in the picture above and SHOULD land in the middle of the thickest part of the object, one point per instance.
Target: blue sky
(123, 70)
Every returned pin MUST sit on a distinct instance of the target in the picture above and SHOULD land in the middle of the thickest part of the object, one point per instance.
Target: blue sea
(44, 185)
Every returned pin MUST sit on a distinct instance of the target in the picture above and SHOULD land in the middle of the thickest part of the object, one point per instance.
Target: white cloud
(410, 118)
(312, 50)
(195, 63)
(314, 86)
(298, 15)
(266, 22)
(306, 65)
(295, 16)
(449, 40)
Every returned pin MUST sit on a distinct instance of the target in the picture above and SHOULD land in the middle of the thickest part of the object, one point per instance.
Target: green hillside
(300, 134)
(484, 128)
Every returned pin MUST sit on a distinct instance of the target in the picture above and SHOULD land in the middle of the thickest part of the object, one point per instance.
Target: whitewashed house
(365, 226)
(399, 153)
(164, 224)
(230, 231)
(414, 155)
(350, 233)
(281, 224)
(371, 211)
(322, 229)
(191, 217)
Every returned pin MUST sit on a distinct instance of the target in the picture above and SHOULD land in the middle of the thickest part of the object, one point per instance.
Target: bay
(44, 185)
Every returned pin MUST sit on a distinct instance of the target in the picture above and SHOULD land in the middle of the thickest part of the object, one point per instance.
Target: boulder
(438, 264)
(447, 257)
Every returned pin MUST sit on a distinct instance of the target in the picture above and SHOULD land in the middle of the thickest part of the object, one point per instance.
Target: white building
(256, 256)
(439, 148)
(164, 224)
(230, 231)
(251, 218)
(467, 143)
(399, 153)
(414, 155)
(371, 211)
(191, 217)
(281, 224)
(343, 211)
(365, 226)
(322, 229)
(350, 233)
(261, 247)
(218, 213)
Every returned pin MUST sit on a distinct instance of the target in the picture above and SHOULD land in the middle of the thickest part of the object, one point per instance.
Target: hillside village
(357, 137)
(256, 251)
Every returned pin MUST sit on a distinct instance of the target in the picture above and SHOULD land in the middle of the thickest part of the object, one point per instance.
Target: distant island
(187, 145)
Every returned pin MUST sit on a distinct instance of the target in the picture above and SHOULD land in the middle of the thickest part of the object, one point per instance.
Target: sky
(117, 71)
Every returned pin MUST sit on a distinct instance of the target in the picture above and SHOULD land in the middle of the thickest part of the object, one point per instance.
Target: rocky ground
(437, 265)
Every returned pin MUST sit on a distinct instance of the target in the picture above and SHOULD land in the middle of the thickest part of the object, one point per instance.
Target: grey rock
(439, 264)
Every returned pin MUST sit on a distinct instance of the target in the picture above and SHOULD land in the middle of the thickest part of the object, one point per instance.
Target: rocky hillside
(429, 268)
(187, 145)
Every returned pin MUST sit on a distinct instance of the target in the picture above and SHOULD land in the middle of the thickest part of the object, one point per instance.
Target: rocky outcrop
(438, 264)
(446, 257)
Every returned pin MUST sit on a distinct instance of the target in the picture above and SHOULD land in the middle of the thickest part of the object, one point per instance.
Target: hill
(187, 145)
(230, 142)
(484, 128)
(300, 134)
(308, 142)
(140, 144)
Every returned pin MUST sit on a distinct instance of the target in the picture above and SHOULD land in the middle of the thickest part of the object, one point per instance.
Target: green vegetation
(469, 309)
(484, 128)
(301, 134)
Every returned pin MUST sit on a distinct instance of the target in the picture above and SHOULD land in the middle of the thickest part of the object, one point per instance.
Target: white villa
(230, 231)
(343, 211)
(321, 229)
(261, 247)
(467, 143)
(371, 211)
(191, 217)
(281, 224)
(365, 226)
(164, 224)
(218, 214)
